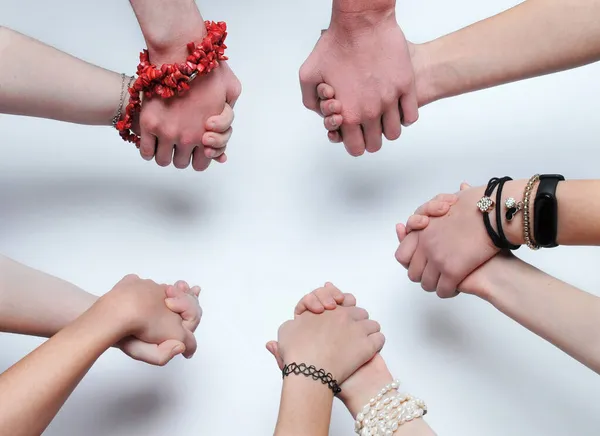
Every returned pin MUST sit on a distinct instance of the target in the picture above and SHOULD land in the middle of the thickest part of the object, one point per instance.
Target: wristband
(545, 206)
(485, 206)
(311, 371)
(172, 79)
(503, 241)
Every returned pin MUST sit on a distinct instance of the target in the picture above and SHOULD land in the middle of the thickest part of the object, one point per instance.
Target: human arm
(366, 382)
(34, 389)
(177, 131)
(534, 38)
(375, 92)
(38, 304)
(40, 81)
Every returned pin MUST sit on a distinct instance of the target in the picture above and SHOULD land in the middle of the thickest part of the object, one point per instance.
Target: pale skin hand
(368, 379)
(375, 91)
(38, 304)
(181, 130)
(132, 307)
(452, 246)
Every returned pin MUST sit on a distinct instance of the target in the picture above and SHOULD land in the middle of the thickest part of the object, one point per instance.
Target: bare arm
(35, 388)
(305, 408)
(40, 81)
(556, 311)
(536, 37)
(35, 303)
(168, 26)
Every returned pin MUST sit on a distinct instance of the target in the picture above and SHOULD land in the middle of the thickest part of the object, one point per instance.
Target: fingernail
(169, 302)
(333, 123)
(213, 125)
(332, 107)
(178, 349)
(210, 141)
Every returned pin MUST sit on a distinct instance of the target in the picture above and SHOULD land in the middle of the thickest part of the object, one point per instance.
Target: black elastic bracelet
(504, 242)
(486, 215)
(311, 371)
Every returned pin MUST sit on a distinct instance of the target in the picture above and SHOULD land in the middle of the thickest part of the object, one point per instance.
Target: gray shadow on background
(60, 196)
(447, 332)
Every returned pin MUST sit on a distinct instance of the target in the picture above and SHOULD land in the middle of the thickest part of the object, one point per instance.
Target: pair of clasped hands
(349, 79)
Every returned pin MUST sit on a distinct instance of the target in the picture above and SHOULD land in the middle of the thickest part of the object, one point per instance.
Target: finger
(311, 303)
(174, 291)
(158, 355)
(221, 159)
(329, 296)
(199, 161)
(335, 137)
(406, 251)
(234, 90)
(309, 80)
(447, 287)
(430, 278)
(370, 326)
(164, 151)
(147, 145)
(448, 198)
(401, 232)
(333, 122)
(410, 108)
(377, 341)
(222, 122)
(273, 348)
(349, 300)
(216, 140)
(189, 341)
(353, 139)
(392, 127)
(338, 295)
(433, 208)
(416, 266)
(182, 156)
(183, 285)
(188, 308)
(196, 290)
(464, 185)
(330, 107)
(372, 134)
(416, 222)
(325, 91)
(358, 313)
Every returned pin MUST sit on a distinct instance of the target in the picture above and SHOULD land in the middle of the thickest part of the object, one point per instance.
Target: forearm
(305, 408)
(34, 389)
(371, 378)
(40, 81)
(356, 15)
(558, 312)
(534, 38)
(578, 212)
(168, 26)
(35, 303)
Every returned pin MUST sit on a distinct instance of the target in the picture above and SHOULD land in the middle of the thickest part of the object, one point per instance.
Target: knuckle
(371, 113)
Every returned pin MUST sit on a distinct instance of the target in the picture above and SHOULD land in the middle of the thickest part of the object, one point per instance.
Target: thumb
(158, 355)
(464, 185)
(273, 348)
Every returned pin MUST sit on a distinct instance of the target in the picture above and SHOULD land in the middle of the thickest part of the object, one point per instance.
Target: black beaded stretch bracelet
(311, 371)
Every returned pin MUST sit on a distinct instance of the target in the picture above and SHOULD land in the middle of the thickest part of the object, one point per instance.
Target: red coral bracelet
(173, 79)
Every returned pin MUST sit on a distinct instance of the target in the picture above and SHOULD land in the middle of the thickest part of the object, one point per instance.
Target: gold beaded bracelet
(526, 213)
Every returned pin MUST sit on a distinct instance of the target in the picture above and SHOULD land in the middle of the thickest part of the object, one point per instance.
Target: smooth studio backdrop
(288, 212)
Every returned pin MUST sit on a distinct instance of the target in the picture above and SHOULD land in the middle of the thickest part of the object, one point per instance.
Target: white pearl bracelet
(384, 416)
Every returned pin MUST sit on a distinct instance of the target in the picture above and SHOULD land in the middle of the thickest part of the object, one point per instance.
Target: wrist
(350, 16)
(364, 385)
(115, 315)
(514, 228)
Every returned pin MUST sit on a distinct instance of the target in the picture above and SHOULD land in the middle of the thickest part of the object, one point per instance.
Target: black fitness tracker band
(545, 216)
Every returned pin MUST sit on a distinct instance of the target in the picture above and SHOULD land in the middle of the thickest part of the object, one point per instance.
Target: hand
(451, 247)
(139, 306)
(339, 341)
(180, 299)
(373, 78)
(194, 127)
(370, 377)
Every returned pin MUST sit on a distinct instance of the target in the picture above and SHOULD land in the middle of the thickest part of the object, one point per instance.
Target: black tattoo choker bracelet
(311, 371)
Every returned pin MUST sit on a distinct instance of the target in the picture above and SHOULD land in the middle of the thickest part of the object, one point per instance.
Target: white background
(286, 213)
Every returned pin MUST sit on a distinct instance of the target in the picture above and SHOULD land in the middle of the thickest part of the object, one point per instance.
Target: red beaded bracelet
(173, 79)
